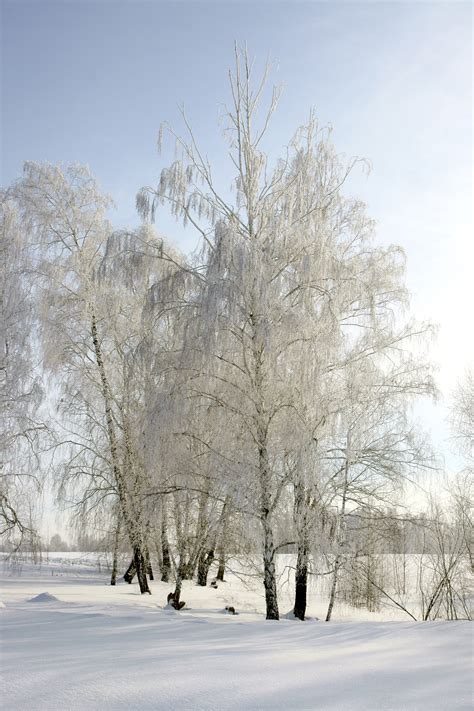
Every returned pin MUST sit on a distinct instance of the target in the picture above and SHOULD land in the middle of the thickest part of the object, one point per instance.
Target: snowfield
(99, 647)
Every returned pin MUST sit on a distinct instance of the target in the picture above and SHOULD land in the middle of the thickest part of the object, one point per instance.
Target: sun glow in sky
(92, 81)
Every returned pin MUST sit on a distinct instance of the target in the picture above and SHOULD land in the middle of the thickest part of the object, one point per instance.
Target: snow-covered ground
(99, 647)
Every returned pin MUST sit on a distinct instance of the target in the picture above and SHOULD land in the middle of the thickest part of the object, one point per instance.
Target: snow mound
(2, 604)
(291, 616)
(44, 597)
(169, 608)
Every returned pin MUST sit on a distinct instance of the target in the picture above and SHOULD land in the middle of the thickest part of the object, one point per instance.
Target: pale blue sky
(91, 82)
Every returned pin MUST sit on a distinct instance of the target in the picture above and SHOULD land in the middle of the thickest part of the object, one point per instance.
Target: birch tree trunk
(341, 534)
(204, 563)
(269, 580)
(223, 542)
(138, 558)
(301, 573)
(165, 550)
(113, 577)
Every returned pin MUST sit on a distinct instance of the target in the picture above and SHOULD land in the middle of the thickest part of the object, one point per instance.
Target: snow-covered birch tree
(64, 213)
(21, 392)
(288, 270)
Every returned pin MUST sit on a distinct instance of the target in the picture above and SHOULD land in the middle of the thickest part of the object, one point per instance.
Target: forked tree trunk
(140, 567)
(204, 563)
(206, 559)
